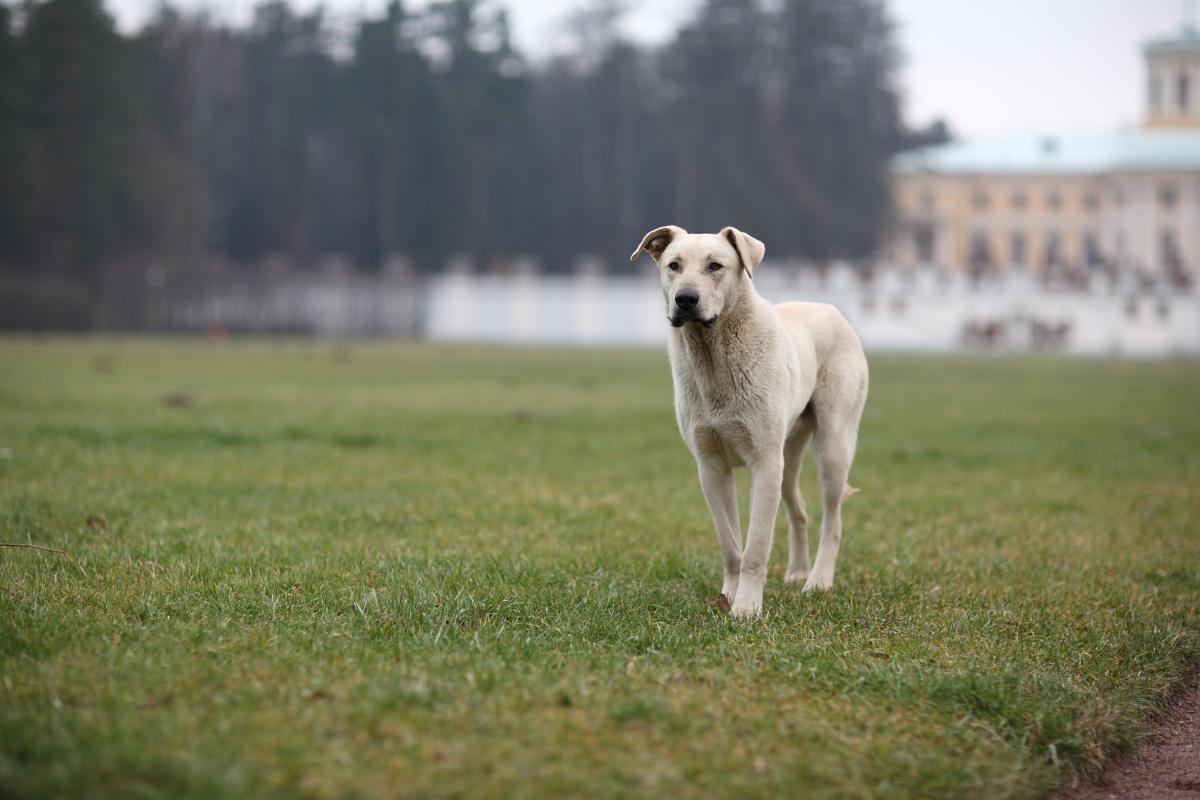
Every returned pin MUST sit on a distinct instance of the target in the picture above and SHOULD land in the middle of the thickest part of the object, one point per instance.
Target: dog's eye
(714, 267)
(673, 266)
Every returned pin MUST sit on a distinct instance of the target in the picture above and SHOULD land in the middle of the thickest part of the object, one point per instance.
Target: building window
(1017, 248)
(926, 200)
(1155, 95)
(979, 249)
(980, 199)
(1183, 90)
(924, 242)
(1091, 249)
(1053, 248)
(1053, 200)
(1169, 249)
(1018, 199)
(1091, 200)
(1167, 195)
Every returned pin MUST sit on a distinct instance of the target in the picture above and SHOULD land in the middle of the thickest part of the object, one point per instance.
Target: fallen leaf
(720, 602)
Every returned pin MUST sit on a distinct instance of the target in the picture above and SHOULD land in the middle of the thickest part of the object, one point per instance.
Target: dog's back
(830, 333)
(837, 356)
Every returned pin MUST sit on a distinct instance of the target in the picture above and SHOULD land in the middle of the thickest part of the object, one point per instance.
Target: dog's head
(701, 273)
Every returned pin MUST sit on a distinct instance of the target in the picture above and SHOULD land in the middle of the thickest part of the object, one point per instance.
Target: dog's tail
(849, 490)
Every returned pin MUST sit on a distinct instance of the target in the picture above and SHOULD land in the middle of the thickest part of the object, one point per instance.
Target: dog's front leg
(765, 481)
(720, 492)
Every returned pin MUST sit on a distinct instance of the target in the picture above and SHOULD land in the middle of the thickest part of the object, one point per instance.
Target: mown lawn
(305, 569)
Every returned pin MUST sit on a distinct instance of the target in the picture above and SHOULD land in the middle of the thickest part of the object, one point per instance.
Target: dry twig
(34, 547)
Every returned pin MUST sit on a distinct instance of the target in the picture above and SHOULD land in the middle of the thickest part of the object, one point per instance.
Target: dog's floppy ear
(657, 240)
(749, 249)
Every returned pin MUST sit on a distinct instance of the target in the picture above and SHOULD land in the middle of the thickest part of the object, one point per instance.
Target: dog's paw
(817, 583)
(796, 577)
(746, 609)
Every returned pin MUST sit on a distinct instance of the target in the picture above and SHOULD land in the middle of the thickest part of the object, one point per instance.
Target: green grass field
(305, 569)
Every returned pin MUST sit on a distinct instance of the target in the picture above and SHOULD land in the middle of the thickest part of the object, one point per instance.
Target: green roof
(1187, 41)
(1154, 150)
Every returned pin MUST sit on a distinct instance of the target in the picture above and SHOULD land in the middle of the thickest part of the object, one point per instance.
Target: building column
(1189, 231)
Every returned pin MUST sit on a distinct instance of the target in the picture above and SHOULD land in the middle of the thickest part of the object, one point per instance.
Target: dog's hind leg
(835, 453)
(793, 501)
(720, 492)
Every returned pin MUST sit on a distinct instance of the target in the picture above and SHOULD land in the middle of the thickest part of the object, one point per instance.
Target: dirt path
(1166, 768)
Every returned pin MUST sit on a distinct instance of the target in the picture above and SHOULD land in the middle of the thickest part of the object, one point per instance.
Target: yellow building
(1128, 200)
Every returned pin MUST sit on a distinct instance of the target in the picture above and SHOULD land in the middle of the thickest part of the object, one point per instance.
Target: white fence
(586, 309)
(925, 312)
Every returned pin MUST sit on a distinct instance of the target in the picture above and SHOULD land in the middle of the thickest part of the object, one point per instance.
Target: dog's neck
(717, 351)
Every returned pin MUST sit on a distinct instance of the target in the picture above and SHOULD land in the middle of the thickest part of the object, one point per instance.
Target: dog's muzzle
(687, 301)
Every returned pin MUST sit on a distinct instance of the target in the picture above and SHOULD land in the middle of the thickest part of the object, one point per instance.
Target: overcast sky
(985, 67)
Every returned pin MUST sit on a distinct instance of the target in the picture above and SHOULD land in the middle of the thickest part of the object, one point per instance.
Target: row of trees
(429, 133)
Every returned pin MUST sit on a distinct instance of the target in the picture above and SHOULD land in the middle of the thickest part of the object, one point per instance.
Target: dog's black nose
(687, 299)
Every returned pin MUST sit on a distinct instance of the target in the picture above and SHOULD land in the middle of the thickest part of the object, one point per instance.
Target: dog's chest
(733, 442)
(724, 408)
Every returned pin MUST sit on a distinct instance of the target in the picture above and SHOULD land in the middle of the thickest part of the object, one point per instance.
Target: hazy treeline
(427, 133)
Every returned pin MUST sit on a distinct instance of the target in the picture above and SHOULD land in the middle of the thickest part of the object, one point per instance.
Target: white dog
(753, 384)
